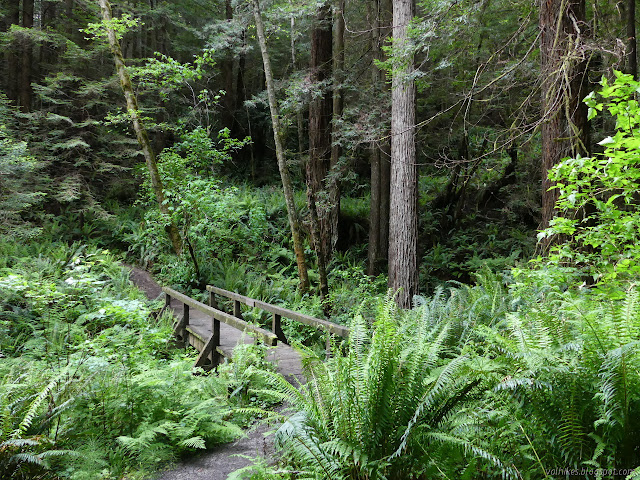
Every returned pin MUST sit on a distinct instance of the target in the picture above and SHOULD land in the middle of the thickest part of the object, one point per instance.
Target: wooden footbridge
(214, 332)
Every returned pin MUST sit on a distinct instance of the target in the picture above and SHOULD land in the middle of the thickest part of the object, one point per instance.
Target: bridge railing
(277, 313)
(217, 316)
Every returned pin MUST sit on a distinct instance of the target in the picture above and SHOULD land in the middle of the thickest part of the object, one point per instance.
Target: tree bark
(403, 222)
(294, 66)
(24, 88)
(226, 67)
(338, 107)
(320, 111)
(380, 149)
(12, 72)
(138, 126)
(564, 85)
(385, 144)
(632, 45)
(320, 116)
(282, 163)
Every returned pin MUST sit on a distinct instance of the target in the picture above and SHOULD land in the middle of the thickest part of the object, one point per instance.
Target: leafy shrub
(598, 195)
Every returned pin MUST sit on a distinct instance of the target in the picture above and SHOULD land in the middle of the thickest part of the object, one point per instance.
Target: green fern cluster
(89, 370)
(398, 404)
(574, 370)
(30, 408)
(477, 381)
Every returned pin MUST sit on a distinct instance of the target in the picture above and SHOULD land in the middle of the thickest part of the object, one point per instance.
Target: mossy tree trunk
(138, 126)
(282, 163)
(564, 85)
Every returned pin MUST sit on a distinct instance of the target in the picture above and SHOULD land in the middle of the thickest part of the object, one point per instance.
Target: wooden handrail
(268, 337)
(330, 327)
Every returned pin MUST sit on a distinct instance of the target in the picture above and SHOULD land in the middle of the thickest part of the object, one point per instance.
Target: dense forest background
(455, 179)
(491, 84)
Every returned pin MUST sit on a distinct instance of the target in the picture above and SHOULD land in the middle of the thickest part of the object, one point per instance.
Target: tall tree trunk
(294, 65)
(403, 222)
(226, 67)
(48, 50)
(138, 126)
(24, 88)
(380, 148)
(385, 146)
(12, 73)
(338, 107)
(282, 163)
(563, 69)
(320, 111)
(632, 44)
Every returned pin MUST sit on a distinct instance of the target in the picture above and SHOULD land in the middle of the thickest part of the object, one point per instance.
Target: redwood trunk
(320, 111)
(386, 13)
(403, 223)
(282, 163)
(564, 128)
(338, 107)
(138, 126)
(13, 72)
(226, 67)
(632, 45)
(294, 66)
(380, 149)
(24, 87)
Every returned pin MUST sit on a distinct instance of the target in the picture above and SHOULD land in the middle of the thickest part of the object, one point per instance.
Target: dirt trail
(218, 463)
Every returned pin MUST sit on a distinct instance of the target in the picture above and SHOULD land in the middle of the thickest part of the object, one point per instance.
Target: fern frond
(193, 442)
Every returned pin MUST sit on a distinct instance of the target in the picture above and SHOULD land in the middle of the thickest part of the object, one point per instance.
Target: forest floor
(218, 463)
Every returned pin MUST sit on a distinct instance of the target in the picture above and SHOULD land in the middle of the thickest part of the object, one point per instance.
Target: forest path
(215, 464)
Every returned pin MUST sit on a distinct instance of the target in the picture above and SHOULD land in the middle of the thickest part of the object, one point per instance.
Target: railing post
(215, 332)
(236, 309)
(276, 327)
(212, 300)
(328, 345)
(186, 314)
(185, 322)
(167, 300)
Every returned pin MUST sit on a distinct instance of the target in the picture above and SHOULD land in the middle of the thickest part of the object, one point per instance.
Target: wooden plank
(268, 337)
(330, 327)
(232, 295)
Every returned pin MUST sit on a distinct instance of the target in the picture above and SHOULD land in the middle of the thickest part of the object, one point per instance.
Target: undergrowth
(498, 380)
(90, 386)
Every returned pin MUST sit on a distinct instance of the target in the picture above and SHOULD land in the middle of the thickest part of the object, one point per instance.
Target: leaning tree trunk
(138, 126)
(282, 163)
(563, 69)
(403, 221)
